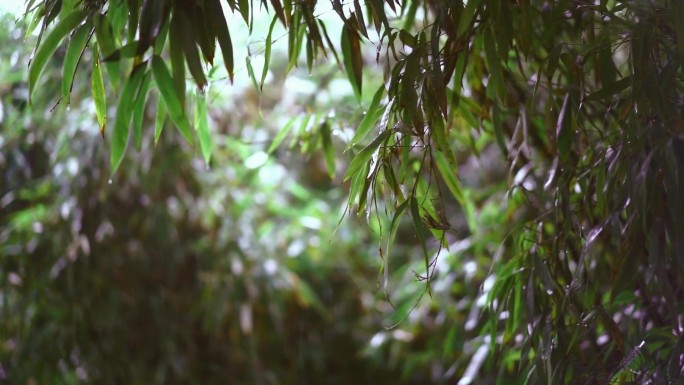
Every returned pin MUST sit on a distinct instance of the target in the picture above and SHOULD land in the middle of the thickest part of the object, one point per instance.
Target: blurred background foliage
(518, 214)
(171, 272)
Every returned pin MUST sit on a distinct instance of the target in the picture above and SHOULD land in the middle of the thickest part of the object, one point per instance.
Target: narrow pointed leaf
(328, 150)
(173, 102)
(364, 156)
(123, 117)
(202, 124)
(420, 232)
(282, 134)
(139, 110)
(353, 61)
(73, 56)
(50, 44)
(220, 27)
(374, 113)
(98, 90)
(267, 52)
(160, 119)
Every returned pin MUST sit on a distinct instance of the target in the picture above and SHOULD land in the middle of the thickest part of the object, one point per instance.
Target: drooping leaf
(564, 133)
(267, 52)
(250, 72)
(177, 59)
(50, 44)
(465, 23)
(328, 149)
(202, 124)
(364, 156)
(173, 102)
(215, 13)
(188, 36)
(281, 135)
(73, 56)
(139, 109)
(449, 173)
(353, 61)
(160, 119)
(371, 117)
(98, 90)
(420, 232)
(123, 117)
(152, 17)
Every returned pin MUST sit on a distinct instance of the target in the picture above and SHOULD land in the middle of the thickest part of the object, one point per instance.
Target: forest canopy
(581, 103)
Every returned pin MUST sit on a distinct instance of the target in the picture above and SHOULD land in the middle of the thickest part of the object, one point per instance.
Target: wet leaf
(364, 156)
(375, 111)
(98, 90)
(220, 26)
(77, 45)
(353, 61)
(123, 117)
(50, 44)
(173, 102)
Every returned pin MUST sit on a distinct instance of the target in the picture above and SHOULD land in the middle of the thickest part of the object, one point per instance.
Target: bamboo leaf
(139, 109)
(449, 173)
(328, 149)
(420, 232)
(282, 134)
(250, 72)
(177, 60)
(220, 27)
(364, 156)
(173, 102)
(465, 23)
(564, 130)
(495, 71)
(79, 39)
(122, 120)
(50, 44)
(98, 90)
(202, 124)
(160, 118)
(267, 52)
(189, 46)
(353, 61)
(152, 18)
(374, 113)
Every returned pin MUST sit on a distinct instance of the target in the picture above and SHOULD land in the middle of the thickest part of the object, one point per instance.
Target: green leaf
(123, 116)
(394, 226)
(364, 156)
(449, 173)
(139, 110)
(328, 149)
(50, 44)
(420, 232)
(188, 44)
(173, 102)
(250, 72)
(97, 87)
(465, 23)
(353, 61)
(177, 59)
(222, 34)
(564, 130)
(152, 18)
(202, 124)
(73, 56)
(267, 52)
(282, 134)
(159, 121)
(372, 115)
(495, 71)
